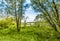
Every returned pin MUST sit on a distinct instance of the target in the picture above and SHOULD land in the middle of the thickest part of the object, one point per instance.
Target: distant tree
(25, 21)
(38, 19)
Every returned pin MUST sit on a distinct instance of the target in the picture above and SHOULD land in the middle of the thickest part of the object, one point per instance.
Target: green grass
(26, 34)
(8, 32)
(13, 35)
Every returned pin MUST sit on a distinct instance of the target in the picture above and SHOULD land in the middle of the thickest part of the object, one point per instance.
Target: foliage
(29, 33)
(49, 10)
(6, 23)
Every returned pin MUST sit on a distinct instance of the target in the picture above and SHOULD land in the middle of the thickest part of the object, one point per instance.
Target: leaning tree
(50, 10)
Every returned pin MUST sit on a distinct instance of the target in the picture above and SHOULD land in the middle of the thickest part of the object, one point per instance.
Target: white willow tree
(17, 8)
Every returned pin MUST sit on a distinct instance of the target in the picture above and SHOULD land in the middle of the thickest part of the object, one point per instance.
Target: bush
(6, 23)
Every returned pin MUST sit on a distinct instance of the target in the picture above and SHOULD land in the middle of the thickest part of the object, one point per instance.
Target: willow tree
(17, 9)
(50, 11)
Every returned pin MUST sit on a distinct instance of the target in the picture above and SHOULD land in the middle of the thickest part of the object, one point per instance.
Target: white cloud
(28, 1)
(31, 17)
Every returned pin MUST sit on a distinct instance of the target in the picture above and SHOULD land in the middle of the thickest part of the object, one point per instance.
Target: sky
(29, 13)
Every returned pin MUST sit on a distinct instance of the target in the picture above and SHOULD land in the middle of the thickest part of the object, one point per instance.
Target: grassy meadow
(8, 32)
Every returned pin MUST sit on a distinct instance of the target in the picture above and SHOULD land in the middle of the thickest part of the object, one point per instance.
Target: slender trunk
(56, 11)
(18, 29)
(19, 16)
(17, 19)
(7, 15)
(50, 20)
(25, 23)
(17, 23)
(20, 23)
